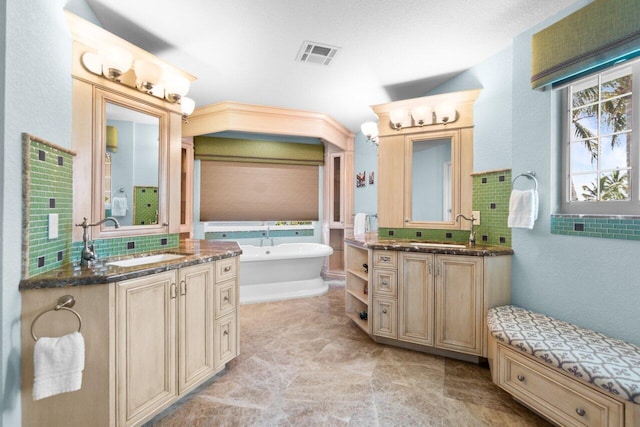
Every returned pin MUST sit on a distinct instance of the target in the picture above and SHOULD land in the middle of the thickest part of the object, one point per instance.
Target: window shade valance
(593, 37)
(254, 151)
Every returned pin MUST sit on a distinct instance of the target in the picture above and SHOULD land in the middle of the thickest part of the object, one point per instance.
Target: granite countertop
(195, 251)
(371, 241)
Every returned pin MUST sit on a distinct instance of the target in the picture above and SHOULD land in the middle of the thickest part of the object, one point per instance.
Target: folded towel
(119, 206)
(58, 364)
(360, 224)
(523, 208)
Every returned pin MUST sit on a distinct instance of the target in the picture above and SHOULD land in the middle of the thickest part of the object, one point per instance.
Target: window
(601, 149)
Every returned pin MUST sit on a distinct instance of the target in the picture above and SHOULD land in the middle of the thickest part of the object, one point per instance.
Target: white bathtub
(286, 271)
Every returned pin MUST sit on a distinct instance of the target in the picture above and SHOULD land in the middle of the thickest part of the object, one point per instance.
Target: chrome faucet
(88, 254)
(472, 234)
(263, 238)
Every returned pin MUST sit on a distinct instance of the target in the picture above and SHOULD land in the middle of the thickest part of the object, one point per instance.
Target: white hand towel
(119, 206)
(360, 224)
(523, 208)
(58, 364)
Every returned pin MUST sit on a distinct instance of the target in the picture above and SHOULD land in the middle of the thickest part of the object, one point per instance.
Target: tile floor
(304, 363)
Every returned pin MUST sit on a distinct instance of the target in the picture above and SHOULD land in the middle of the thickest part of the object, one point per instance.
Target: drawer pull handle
(225, 333)
(581, 412)
(385, 259)
(227, 269)
(226, 298)
(385, 283)
(384, 311)
(520, 377)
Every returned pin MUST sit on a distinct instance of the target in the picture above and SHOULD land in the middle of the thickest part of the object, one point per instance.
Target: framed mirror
(432, 180)
(130, 165)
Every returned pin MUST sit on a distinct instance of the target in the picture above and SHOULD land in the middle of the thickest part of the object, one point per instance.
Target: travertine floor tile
(304, 363)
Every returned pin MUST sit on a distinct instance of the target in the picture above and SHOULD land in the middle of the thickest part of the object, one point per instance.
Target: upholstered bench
(568, 374)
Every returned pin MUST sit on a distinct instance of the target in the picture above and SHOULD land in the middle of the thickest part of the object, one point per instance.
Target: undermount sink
(439, 245)
(132, 262)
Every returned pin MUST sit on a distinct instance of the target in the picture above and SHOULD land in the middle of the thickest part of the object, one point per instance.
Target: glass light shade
(115, 61)
(369, 129)
(176, 86)
(446, 113)
(92, 62)
(112, 139)
(148, 74)
(422, 115)
(398, 118)
(187, 105)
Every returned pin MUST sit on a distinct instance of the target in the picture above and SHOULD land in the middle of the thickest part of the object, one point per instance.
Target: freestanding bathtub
(285, 271)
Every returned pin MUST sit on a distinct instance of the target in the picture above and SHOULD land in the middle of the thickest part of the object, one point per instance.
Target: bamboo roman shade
(593, 37)
(234, 191)
(254, 151)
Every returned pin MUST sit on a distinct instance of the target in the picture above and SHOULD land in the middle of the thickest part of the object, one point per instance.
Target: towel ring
(64, 303)
(529, 174)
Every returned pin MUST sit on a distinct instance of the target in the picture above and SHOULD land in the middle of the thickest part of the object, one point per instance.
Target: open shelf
(356, 301)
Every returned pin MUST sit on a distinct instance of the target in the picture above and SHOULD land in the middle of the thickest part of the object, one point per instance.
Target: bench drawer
(553, 395)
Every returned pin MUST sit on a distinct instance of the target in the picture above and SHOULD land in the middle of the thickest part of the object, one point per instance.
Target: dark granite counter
(195, 251)
(372, 241)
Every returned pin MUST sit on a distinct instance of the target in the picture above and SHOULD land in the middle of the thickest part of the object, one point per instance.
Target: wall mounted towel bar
(529, 174)
(65, 302)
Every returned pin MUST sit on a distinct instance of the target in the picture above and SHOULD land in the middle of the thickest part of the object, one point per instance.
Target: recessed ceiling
(245, 50)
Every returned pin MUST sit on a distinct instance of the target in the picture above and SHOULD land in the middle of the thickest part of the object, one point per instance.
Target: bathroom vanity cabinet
(433, 299)
(148, 341)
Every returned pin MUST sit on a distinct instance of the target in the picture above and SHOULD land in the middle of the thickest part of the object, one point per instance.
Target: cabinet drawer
(226, 298)
(384, 317)
(385, 259)
(225, 269)
(385, 283)
(555, 396)
(225, 340)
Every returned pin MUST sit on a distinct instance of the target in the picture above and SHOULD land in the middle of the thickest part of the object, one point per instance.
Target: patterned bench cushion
(610, 364)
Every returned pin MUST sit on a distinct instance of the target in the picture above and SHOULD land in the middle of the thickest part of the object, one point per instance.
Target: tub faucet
(472, 234)
(88, 254)
(266, 237)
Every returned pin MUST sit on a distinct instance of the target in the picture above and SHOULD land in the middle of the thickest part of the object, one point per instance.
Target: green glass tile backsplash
(48, 188)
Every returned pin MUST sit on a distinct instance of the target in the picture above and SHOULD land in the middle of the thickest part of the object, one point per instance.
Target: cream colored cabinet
(174, 329)
(441, 301)
(428, 300)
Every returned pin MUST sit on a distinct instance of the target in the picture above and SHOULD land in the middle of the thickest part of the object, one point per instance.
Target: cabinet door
(145, 353)
(459, 303)
(196, 316)
(385, 322)
(415, 303)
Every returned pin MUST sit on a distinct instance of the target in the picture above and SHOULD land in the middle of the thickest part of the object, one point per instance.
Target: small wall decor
(371, 179)
(361, 179)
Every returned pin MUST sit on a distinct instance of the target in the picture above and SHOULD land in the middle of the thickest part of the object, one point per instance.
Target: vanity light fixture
(370, 130)
(423, 115)
(113, 61)
(187, 106)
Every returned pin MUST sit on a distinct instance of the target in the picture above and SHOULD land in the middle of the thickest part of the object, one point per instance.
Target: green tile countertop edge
(195, 251)
(373, 242)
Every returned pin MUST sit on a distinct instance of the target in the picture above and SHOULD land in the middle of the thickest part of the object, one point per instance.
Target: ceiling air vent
(316, 53)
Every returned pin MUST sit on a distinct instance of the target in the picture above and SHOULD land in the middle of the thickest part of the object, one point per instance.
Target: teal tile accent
(232, 235)
(48, 189)
(106, 248)
(491, 192)
(596, 226)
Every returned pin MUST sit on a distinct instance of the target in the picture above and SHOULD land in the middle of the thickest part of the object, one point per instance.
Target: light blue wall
(36, 98)
(365, 199)
(589, 281)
